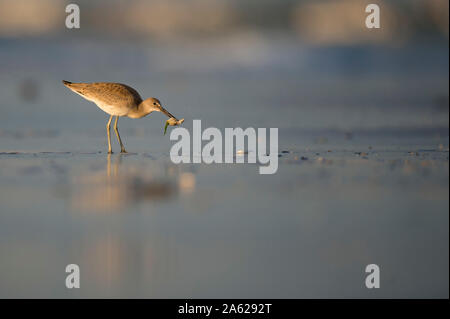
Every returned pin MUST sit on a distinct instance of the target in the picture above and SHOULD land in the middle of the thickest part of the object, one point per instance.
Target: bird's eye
(154, 103)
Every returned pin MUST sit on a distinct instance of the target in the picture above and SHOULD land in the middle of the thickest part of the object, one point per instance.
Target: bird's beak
(163, 110)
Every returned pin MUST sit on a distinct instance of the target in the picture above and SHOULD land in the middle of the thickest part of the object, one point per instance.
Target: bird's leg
(122, 148)
(108, 125)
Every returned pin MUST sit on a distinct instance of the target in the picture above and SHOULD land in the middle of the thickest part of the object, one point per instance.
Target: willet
(118, 99)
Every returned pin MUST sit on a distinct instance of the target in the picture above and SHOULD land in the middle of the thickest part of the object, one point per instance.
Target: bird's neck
(138, 112)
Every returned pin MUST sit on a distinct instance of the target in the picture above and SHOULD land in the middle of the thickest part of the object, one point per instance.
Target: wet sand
(140, 226)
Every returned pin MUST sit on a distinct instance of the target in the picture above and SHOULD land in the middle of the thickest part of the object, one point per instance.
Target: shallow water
(363, 175)
(140, 226)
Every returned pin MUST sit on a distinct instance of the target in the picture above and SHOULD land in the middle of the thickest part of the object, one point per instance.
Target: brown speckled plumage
(122, 96)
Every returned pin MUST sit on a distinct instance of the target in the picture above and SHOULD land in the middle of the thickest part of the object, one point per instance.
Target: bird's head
(153, 104)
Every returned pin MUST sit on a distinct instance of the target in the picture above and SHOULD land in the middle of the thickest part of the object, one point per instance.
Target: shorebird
(118, 99)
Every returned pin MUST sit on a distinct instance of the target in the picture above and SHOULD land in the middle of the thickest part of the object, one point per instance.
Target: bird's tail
(79, 88)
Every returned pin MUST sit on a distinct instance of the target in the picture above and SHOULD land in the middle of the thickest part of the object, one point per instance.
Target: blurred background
(296, 60)
(363, 118)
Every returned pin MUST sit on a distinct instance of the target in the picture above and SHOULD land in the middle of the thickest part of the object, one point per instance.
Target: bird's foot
(123, 151)
(110, 152)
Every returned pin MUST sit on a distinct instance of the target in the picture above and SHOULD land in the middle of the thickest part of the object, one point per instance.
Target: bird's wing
(107, 93)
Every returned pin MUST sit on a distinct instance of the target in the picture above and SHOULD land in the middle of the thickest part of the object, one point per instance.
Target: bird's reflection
(125, 184)
(116, 165)
(123, 181)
